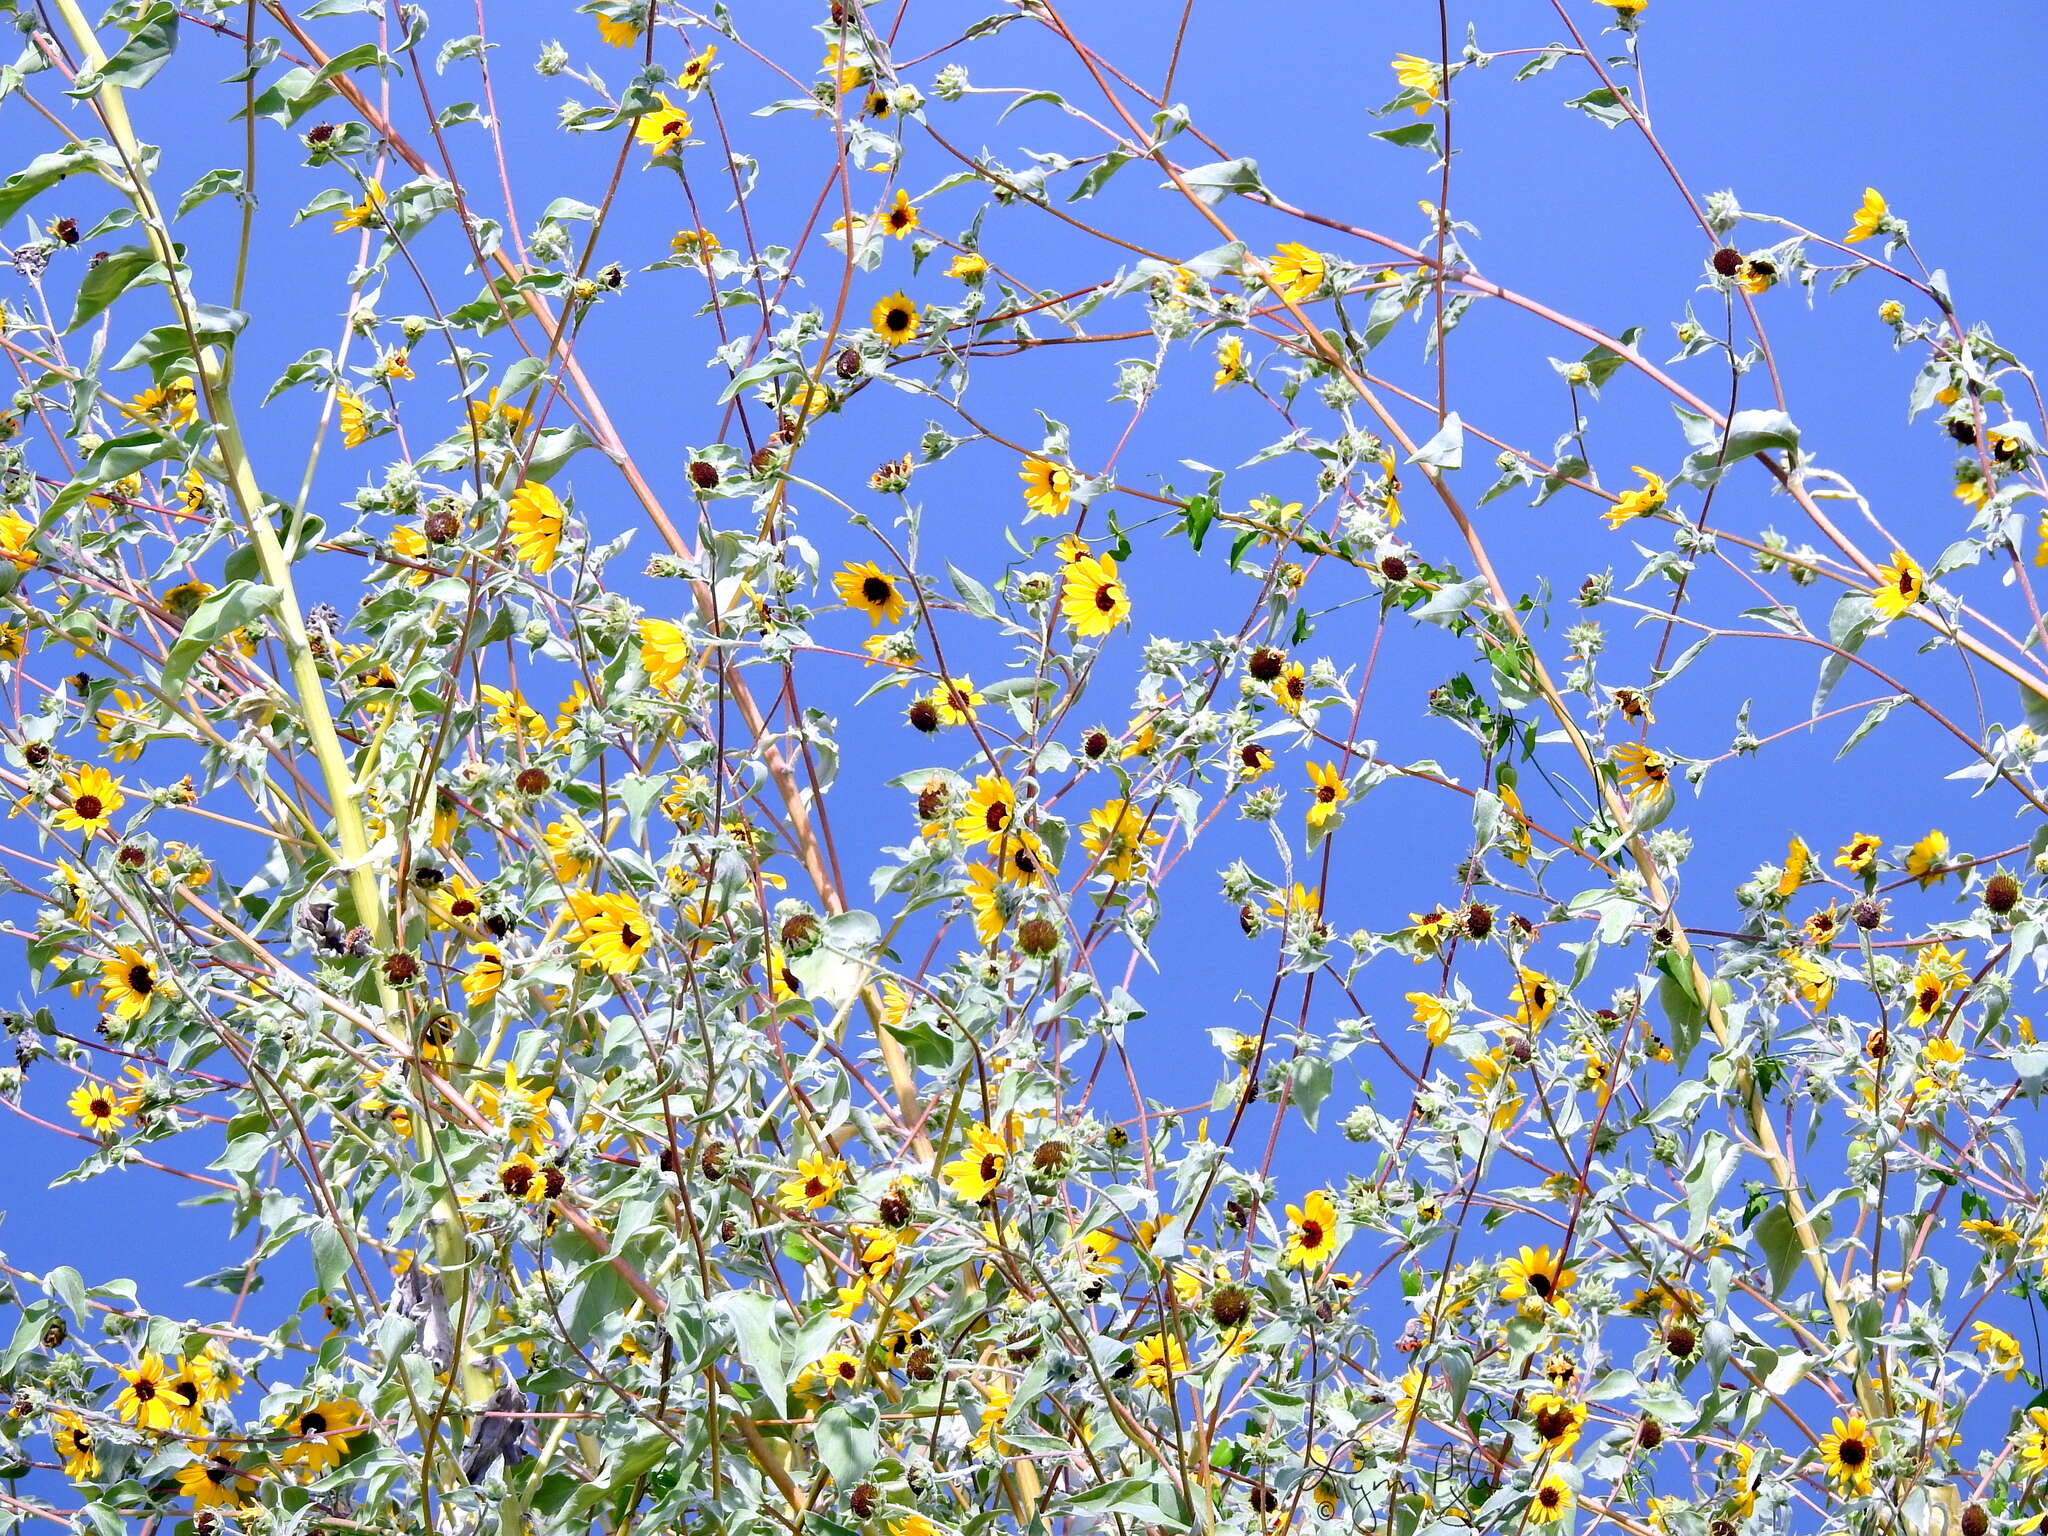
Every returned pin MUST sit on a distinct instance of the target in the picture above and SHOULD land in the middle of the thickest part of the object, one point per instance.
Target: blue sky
(1795, 109)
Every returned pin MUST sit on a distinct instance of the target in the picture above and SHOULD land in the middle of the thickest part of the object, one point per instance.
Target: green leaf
(1308, 1084)
(1446, 450)
(45, 171)
(1213, 183)
(1413, 136)
(846, 1441)
(224, 612)
(137, 60)
(211, 185)
(330, 1257)
(108, 279)
(1780, 1241)
(758, 1334)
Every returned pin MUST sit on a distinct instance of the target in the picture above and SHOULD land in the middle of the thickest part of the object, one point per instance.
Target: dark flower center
(1541, 1284)
(1552, 1423)
(89, 807)
(1326, 793)
(991, 1166)
(144, 1390)
(101, 1108)
(1311, 1234)
(877, 590)
(629, 936)
(1852, 1453)
(140, 980)
(316, 1423)
(1105, 599)
(998, 816)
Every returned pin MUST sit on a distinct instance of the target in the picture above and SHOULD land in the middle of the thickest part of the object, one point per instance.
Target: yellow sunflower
(1900, 585)
(1534, 1273)
(978, 1170)
(1230, 367)
(128, 983)
(1296, 271)
(1330, 791)
(899, 218)
(484, 975)
(664, 652)
(815, 1184)
(1645, 501)
(534, 517)
(895, 319)
(1116, 836)
(612, 933)
(1643, 772)
(1557, 1419)
(664, 130)
(143, 1401)
(321, 1432)
(97, 1107)
(1048, 487)
(1859, 853)
(91, 796)
(76, 1449)
(1924, 860)
(1311, 1232)
(1160, 1358)
(1847, 1454)
(1869, 219)
(1552, 1501)
(872, 590)
(1419, 75)
(991, 807)
(1092, 596)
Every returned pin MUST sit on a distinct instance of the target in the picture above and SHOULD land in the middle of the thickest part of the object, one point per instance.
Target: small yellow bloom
(1900, 585)
(1869, 219)
(1417, 74)
(664, 130)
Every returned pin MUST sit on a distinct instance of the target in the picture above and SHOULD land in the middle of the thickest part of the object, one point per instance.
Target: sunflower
(696, 70)
(872, 590)
(1535, 1273)
(1848, 1452)
(1330, 791)
(1552, 1501)
(1296, 271)
(1159, 1360)
(955, 700)
(321, 1432)
(1859, 853)
(664, 652)
(612, 933)
(1900, 585)
(1925, 859)
(15, 533)
(534, 517)
(899, 218)
(187, 1397)
(1868, 219)
(1092, 596)
(1798, 860)
(76, 1449)
(1645, 501)
(968, 267)
(1418, 75)
(1557, 1419)
(1230, 368)
(991, 903)
(91, 796)
(165, 405)
(1116, 837)
(1813, 981)
(978, 1170)
(215, 1371)
(1048, 487)
(815, 1184)
(357, 419)
(484, 975)
(664, 130)
(1930, 987)
(97, 1107)
(1432, 1014)
(361, 215)
(1643, 772)
(1311, 1232)
(1254, 762)
(143, 1401)
(895, 319)
(2033, 1442)
(1290, 688)
(2001, 1351)
(991, 807)
(127, 983)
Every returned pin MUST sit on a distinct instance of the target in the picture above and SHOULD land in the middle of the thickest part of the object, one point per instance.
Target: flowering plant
(703, 1040)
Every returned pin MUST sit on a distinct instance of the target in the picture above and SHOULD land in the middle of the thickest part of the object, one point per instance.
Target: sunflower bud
(2001, 893)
